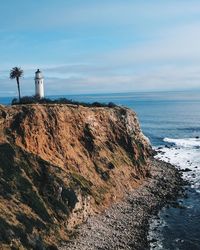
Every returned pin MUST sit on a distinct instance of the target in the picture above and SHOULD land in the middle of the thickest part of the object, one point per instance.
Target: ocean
(171, 120)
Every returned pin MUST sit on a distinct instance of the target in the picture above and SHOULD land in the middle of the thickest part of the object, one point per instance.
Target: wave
(193, 129)
(186, 142)
(185, 154)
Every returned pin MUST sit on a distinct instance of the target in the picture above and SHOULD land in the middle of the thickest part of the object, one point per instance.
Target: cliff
(60, 164)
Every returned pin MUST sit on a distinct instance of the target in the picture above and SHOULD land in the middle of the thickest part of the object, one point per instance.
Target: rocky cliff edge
(60, 164)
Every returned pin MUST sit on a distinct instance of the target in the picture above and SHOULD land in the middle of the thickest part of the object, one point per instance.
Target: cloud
(102, 46)
(163, 78)
(177, 44)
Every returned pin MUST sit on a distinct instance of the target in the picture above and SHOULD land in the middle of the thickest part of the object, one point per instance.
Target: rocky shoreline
(125, 225)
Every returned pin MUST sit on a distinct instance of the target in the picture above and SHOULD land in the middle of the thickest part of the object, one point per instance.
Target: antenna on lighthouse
(39, 84)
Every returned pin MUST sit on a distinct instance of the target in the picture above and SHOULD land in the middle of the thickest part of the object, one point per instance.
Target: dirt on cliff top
(61, 163)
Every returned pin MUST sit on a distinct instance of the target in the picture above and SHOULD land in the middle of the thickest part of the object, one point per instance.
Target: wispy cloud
(101, 46)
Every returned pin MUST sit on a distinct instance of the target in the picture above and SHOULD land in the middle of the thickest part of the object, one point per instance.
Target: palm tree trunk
(18, 89)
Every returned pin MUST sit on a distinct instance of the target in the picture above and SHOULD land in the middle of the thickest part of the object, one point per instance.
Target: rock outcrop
(60, 164)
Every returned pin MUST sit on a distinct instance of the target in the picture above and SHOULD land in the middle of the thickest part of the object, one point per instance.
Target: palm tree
(16, 73)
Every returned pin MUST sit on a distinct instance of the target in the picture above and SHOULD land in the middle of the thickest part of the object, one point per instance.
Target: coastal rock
(125, 225)
(186, 170)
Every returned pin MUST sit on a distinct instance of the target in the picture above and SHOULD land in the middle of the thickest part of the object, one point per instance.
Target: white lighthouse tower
(39, 84)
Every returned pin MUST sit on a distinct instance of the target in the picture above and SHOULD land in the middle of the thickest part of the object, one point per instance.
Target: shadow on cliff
(31, 183)
(60, 164)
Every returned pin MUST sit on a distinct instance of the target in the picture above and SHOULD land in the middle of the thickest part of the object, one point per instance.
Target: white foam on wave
(155, 237)
(184, 154)
(186, 142)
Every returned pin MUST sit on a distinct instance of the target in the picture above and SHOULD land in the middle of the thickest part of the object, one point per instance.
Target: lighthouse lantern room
(39, 84)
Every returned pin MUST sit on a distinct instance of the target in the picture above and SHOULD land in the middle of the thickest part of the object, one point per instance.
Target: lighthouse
(39, 84)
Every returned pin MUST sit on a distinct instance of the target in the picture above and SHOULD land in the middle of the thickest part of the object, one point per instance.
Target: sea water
(172, 122)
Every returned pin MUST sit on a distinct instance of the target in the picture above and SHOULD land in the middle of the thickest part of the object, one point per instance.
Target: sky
(100, 46)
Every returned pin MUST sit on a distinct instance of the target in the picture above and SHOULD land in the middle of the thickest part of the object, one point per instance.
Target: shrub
(14, 101)
(104, 174)
(112, 105)
(35, 99)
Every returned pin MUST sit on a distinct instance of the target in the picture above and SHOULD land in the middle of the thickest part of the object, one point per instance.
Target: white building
(39, 84)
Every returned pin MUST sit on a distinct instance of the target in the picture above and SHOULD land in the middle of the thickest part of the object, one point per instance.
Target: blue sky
(101, 46)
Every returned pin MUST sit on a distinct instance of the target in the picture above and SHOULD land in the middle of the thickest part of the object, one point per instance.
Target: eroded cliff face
(61, 163)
